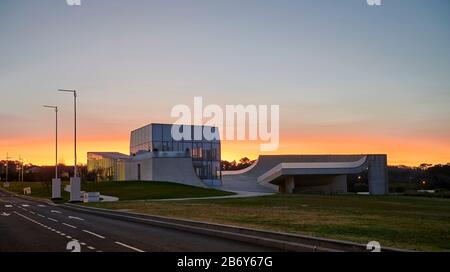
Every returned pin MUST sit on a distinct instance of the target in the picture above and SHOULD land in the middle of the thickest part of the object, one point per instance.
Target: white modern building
(156, 156)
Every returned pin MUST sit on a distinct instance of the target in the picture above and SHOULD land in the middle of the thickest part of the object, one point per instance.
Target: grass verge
(395, 221)
(124, 190)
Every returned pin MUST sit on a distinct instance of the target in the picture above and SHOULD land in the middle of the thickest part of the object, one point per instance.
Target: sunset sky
(349, 78)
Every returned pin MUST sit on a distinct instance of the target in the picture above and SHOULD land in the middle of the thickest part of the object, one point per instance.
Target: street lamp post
(56, 182)
(6, 185)
(22, 169)
(75, 186)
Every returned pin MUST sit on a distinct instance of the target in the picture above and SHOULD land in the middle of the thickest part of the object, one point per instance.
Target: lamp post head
(51, 107)
(68, 91)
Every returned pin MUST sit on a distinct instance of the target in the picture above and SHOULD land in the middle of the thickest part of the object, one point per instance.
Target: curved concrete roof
(313, 168)
(247, 179)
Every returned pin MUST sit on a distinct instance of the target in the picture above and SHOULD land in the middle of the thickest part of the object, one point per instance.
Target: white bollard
(75, 189)
(56, 188)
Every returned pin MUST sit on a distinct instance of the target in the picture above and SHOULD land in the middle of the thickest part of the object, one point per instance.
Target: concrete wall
(178, 170)
(325, 184)
(146, 166)
(378, 175)
(339, 184)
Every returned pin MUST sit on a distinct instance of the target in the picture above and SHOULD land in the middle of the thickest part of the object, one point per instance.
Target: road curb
(276, 240)
(49, 202)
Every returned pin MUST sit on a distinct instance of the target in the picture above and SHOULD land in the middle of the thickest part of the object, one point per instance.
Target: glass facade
(107, 166)
(206, 154)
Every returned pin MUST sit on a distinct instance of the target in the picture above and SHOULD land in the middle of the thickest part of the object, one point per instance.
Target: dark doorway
(139, 171)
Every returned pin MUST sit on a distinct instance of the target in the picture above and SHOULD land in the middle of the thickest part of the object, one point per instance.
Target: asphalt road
(31, 226)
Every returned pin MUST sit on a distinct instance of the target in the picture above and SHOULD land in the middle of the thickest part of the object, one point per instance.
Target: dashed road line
(95, 234)
(70, 226)
(40, 215)
(52, 219)
(130, 247)
(76, 218)
(55, 211)
(63, 234)
(29, 219)
(8, 206)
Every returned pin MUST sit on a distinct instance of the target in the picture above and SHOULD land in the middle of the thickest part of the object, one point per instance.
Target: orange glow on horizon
(411, 152)
(43, 153)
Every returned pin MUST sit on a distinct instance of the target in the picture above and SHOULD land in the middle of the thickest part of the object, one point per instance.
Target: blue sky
(336, 68)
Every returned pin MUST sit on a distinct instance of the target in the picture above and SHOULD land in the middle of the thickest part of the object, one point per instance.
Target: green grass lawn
(124, 190)
(142, 190)
(396, 221)
(38, 189)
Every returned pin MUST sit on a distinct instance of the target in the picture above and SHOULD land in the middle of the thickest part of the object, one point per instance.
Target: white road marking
(5, 214)
(130, 247)
(73, 246)
(25, 205)
(83, 244)
(76, 218)
(91, 248)
(40, 215)
(54, 220)
(8, 206)
(29, 219)
(95, 234)
(54, 211)
(34, 221)
(73, 227)
(41, 205)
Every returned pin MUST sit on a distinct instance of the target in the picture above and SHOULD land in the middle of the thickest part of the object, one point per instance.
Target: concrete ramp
(268, 173)
(146, 166)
